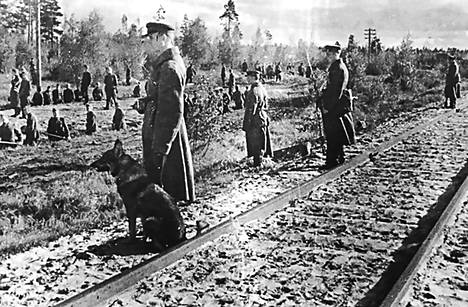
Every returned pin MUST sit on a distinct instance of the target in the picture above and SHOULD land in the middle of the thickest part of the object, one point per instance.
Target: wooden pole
(38, 43)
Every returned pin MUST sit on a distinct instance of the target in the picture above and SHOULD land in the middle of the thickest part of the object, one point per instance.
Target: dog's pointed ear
(118, 148)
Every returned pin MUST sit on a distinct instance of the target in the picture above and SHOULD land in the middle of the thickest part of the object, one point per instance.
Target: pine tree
(195, 40)
(50, 20)
(229, 45)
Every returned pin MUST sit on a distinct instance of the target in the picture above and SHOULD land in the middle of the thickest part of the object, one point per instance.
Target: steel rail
(120, 282)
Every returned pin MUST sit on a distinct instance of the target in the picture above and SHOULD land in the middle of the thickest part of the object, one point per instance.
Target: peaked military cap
(157, 27)
(451, 56)
(334, 47)
(253, 73)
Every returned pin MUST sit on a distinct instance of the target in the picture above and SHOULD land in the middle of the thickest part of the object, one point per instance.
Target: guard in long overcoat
(256, 122)
(14, 91)
(333, 109)
(452, 80)
(166, 149)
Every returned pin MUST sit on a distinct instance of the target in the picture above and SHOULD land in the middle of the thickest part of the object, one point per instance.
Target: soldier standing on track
(334, 108)
(110, 87)
(256, 121)
(166, 149)
(14, 91)
(85, 82)
(278, 72)
(452, 83)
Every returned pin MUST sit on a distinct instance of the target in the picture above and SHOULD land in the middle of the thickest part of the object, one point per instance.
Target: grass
(48, 191)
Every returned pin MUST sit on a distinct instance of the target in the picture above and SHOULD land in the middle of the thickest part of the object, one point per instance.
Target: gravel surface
(328, 249)
(71, 264)
(444, 280)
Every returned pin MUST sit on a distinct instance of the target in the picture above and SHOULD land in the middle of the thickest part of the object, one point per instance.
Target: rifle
(54, 135)
(10, 143)
(316, 92)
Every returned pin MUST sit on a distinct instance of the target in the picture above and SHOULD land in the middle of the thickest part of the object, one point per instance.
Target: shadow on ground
(411, 244)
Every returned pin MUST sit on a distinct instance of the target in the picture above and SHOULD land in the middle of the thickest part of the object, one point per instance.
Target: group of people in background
(57, 128)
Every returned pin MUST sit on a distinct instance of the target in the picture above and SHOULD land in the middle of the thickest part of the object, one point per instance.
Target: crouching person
(31, 130)
(118, 121)
(256, 121)
(91, 122)
(9, 134)
(57, 128)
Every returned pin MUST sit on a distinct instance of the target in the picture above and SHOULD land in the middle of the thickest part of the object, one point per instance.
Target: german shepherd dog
(161, 219)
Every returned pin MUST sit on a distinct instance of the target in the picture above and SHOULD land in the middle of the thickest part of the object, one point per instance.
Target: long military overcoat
(451, 80)
(164, 130)
(334, 128)
(256, 122)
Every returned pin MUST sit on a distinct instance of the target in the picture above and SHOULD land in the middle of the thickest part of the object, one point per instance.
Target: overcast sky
(431, 23)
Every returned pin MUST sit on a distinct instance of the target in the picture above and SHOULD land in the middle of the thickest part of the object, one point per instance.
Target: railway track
(331, 241)
(80, 267)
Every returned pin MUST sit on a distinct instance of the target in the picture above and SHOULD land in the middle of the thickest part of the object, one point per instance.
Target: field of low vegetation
(48, 191)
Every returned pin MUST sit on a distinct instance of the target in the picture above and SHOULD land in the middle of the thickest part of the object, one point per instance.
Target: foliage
(195, 42)
(7, 49)
(229, 46)
(50, 20)
(23, 52)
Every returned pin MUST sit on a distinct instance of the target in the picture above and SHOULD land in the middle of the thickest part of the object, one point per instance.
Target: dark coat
(245, 67)
(56, 96)
(9, 133)
(85, 80)
(110, 83)
(46, 97)
(58, 127)
(91, 123)
(68, 95)
(118, 120)
(164, 130)
(37, 99)
(32, 130)
(338, 121)
(256, 122)
(451, 80)
(238, 99)
(97, 94)
(14, 91)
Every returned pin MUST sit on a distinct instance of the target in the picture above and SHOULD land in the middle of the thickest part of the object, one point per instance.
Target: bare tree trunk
(38, 43)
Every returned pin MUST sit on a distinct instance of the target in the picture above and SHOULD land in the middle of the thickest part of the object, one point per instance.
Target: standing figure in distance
(14, 91)
(85, 82)
(166, 148)
(110, 87)
(256, 122)
(24, 92)
(452, 81)
(333, 109)
(223, 74)
(191, 72)
(231, 82)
